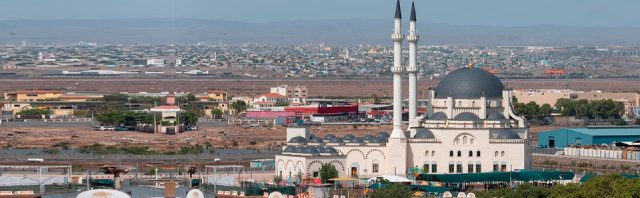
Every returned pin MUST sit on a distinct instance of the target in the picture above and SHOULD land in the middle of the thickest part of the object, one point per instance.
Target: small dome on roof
(438, 116)
(378, 140)
(328, 150)
(368, 137)
(356, 140)
(316, 140)
(330, 136)
(348, 136)
(508, 135)
(423, 133)
(335, 140)
(466, 116)
(383, 134)
(309, 150)
(494, 115)
(298, 139)
(289, 149)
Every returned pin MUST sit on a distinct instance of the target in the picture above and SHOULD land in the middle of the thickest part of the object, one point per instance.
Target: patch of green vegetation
(64, 145)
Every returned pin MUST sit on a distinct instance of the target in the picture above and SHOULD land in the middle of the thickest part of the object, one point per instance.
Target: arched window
(472, 141)
(477, 153)
(375, 166)
(470, 153)
(451, 153)
(497, 153)
(433, 153)
(457, 141)
(473, 104)
(459, 103)
(426, 153)
(464, 139)
(502, 154)
(459, 153)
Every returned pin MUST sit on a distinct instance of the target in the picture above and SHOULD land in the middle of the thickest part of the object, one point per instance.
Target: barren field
(218, 137)
(318, 87)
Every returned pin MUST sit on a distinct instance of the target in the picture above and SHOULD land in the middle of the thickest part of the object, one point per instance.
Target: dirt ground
(218, 137)
(318, 87)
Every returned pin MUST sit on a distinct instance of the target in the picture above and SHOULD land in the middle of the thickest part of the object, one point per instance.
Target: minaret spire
(397, 71)
(412, 69)
(413, 11)
(398, 12)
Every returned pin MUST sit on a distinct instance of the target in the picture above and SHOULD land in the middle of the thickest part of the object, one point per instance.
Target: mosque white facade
(469, 127)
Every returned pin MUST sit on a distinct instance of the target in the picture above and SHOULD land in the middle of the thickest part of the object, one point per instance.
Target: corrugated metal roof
(606, 131)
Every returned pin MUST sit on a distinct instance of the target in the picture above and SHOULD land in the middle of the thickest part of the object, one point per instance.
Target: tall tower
(397, 154)
(398, 71)
(412, 69)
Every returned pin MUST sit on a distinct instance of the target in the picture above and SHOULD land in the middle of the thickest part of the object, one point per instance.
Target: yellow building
(32, 95)
(214, 95)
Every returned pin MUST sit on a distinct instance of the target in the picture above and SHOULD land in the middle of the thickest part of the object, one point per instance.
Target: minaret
(398, 71)
(412, 69)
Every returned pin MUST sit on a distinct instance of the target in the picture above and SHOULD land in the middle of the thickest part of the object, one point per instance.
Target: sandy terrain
(218, 137)
(317, 87)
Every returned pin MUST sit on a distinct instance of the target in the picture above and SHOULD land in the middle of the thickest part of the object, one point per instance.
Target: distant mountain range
(335, 32)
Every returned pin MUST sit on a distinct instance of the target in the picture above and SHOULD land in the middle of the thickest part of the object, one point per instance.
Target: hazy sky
(609, 13)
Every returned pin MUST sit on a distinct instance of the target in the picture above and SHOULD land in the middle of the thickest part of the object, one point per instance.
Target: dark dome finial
(398, 13)
(413, 11)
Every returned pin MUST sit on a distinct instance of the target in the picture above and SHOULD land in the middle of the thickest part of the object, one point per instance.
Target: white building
(470, 128)
(155, 62)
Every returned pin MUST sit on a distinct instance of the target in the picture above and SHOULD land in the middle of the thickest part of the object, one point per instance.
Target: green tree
(239, 106)
(35, 112)
(620, 122)
(111, 117)
(189, 117)
(327, 171)
(391, 190)
(216, 112)
(545, 110)
(189, 98)
(115, 98)
(281, 104)
(277, 179)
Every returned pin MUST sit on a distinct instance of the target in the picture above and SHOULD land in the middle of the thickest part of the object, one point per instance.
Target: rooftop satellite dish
(103, 193)
(195, 193)
(276, 195)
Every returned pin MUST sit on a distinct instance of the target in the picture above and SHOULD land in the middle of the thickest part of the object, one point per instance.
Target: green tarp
(432, 189)
(496, 177)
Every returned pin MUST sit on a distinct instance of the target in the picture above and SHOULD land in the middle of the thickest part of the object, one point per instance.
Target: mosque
(469, 127)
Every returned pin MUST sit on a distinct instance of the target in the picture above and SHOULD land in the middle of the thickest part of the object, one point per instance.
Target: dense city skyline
(590, 13)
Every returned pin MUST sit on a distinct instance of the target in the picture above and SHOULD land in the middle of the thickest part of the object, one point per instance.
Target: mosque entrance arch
(354, 169)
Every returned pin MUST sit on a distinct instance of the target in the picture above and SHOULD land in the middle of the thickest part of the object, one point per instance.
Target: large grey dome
(469, 83)
(466, 116)
(508, 135)
(494, 115)
(438, 116)
(423, 133)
